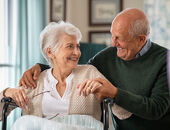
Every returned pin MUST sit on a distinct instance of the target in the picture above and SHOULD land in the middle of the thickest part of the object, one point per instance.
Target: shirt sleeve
(43, 67)
(153, 107)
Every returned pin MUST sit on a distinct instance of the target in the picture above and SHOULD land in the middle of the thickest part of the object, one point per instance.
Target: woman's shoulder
(43, 75)
(86, 70)
(85, 67)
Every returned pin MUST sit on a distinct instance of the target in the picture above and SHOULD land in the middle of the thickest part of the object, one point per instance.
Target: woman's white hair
(49, 37)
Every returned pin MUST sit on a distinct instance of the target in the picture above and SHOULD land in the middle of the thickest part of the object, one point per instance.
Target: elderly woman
(56, 92)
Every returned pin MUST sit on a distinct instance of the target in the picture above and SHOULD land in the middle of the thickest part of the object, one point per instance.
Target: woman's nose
(77, 51)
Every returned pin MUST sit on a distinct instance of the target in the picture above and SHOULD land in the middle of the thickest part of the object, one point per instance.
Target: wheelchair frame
(8, 102)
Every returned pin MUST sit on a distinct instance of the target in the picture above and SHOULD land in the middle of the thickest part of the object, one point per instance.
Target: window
(6, 46)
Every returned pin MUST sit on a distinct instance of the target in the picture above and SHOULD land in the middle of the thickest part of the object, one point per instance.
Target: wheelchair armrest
(106, 102)
(7, 102)
(6, 99)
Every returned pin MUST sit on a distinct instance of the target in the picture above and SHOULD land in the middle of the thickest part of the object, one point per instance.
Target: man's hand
(18, 95)
(29, 77)
(102, 88)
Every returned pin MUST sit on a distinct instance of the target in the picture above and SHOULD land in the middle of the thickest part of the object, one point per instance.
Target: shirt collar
(54, 81)
(51, 78)
(145, 48)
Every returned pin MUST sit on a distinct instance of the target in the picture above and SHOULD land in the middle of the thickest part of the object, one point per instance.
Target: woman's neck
(61, 73)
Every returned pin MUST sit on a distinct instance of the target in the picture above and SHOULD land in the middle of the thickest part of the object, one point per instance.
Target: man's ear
(49, 53)
(142, 38)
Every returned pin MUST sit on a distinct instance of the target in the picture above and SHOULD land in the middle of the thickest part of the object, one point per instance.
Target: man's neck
(144, 49)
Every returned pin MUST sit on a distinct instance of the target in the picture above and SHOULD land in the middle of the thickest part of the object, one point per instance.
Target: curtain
(158, 12)
(4, 62)
(27, 21)
(31, 21)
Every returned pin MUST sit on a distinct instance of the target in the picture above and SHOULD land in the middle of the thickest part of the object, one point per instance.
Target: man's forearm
(43, 67)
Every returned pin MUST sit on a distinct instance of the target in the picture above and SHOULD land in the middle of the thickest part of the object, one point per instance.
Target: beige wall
(78, 14)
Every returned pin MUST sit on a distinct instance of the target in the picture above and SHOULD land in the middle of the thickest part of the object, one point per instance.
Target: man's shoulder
(158, 52)
(107, 54)
(157, 55)
(159, 48)
(109, 51)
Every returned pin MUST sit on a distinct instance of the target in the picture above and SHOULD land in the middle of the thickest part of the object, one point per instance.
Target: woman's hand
(29, 77)
(18, 95)
(102, 88)
(88, 86)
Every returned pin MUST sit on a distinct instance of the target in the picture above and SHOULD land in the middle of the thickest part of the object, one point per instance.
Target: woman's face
(68, 53)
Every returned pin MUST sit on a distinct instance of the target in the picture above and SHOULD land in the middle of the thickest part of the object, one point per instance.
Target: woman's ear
(49, 53)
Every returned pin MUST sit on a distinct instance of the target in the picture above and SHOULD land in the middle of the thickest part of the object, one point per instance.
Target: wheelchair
(10, 104)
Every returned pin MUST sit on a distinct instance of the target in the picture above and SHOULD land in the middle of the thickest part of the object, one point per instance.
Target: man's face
(127, 46)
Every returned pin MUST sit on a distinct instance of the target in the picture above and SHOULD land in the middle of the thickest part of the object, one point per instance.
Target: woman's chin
(74, 65)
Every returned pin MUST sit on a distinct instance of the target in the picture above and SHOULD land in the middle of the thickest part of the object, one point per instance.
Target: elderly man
(136, 69)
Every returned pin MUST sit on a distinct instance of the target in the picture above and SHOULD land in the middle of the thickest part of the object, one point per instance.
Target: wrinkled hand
(104, 88)
(18, 95)
(29, 77)
(88, 86)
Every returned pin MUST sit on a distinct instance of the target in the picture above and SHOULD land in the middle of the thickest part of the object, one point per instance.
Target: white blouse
(52, 103)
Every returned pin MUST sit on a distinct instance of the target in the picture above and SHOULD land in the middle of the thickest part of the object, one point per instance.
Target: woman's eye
(70, 46)
(73, 46)
(78, 46)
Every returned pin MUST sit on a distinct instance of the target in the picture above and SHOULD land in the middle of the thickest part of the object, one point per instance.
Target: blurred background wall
(78, 14)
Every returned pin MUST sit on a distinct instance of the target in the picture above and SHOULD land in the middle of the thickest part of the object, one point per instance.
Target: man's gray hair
(49, 37)
(139, 27)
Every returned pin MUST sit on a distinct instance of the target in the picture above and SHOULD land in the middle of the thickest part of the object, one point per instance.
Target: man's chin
(125, 58)
(121, 57)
